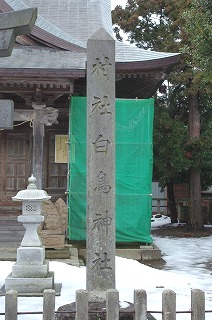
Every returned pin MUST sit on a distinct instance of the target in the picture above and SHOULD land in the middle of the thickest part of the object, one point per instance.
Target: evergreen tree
(178, 26)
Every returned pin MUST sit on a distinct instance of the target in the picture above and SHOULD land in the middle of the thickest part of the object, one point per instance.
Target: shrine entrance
(16, 164)
(15, 150)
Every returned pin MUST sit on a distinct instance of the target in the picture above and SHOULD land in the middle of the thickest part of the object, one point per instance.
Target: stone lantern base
(29, 286)
(30, 263)
(30, 274)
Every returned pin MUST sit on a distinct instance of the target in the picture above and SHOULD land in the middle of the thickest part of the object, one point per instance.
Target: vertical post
(112, 304)
(42, 116)
(197, 304)
(195, 207)
(100, 164)
(140, 304)
(158, 206)
(11, 305)
(38, 137)
(168, 305)
(82, 305)
(49, 304)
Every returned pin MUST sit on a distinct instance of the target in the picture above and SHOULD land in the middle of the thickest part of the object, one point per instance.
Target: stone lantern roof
(31, 193)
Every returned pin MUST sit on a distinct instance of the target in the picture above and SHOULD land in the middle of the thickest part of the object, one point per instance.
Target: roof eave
(56, 41)
(156, 64)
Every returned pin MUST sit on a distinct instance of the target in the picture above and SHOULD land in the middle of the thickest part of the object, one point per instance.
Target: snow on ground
(187, 266)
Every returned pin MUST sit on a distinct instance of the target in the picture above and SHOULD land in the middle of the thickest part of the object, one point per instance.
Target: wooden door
(15, 150)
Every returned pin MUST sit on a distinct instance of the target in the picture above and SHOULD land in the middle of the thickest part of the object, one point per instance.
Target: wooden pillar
(42, 116)
(38, 137)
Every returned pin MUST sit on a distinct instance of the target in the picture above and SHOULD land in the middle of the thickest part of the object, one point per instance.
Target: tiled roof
(71, 20)
(35, 58)
(68, 24)
(43, 24)
(49, 58)
(128, 53)
(79, 18)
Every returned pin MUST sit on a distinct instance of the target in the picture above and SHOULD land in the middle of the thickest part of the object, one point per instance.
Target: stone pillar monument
(100, 165)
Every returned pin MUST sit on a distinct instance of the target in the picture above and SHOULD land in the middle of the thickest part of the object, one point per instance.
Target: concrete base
(54, 241)
(57, 287)
(29, 285)
(19, 271)
(144, 253)
(150, 253)
(70, 254)
(97, 310)
(57, 253)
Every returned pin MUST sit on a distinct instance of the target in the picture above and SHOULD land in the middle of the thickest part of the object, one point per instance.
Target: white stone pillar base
(29, 285)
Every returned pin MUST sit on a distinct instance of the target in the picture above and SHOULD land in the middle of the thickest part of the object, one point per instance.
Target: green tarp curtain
(134, 158)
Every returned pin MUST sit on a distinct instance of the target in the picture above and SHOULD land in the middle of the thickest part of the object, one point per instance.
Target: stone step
(5, 223)
(11, 235)
(8, 218)
(10, 222)
(9, 212)
(8, 253)
(11, 228)
(7, 236)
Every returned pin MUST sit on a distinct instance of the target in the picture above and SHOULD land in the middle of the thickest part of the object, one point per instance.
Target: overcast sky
(118, 2)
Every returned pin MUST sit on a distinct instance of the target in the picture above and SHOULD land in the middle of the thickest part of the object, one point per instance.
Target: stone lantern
(30, 274)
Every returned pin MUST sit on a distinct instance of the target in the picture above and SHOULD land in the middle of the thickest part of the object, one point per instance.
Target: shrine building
(45, 70)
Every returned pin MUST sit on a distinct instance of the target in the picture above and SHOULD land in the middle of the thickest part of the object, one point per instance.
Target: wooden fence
(168, 312)
(160, 206)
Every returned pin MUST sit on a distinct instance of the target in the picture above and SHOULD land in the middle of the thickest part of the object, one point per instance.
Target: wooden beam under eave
(23, 115)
